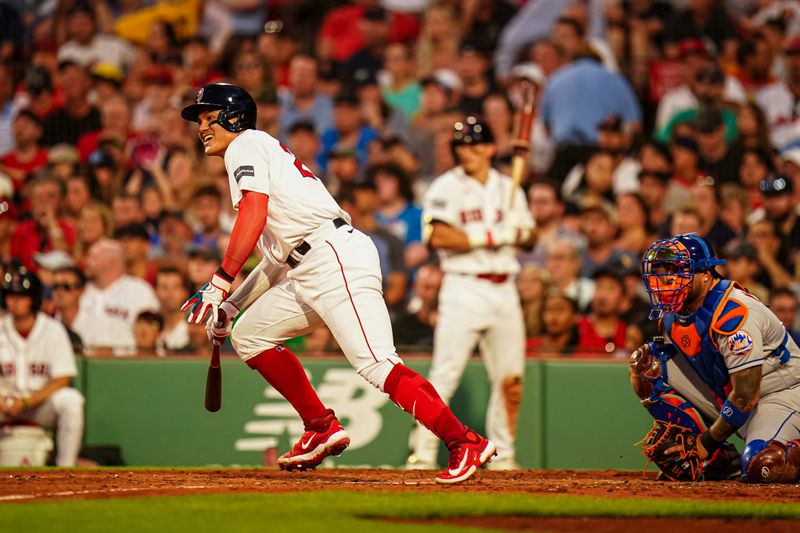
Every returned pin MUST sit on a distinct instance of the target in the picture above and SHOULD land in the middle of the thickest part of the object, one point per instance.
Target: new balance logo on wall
(357, 405)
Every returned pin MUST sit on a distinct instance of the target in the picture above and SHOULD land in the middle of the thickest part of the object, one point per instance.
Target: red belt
(494, 278)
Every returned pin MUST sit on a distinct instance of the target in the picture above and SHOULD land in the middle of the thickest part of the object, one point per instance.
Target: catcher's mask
(668, 269)
(237, 107)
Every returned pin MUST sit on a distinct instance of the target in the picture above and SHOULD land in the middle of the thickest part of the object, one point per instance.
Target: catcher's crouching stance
(725, 365)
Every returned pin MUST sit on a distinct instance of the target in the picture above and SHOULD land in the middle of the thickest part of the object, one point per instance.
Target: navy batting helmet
(668, 269)
(21, 281)
(471, 131)
(237, 107)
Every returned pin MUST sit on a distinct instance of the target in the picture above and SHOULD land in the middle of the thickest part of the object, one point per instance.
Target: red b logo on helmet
(199, 96)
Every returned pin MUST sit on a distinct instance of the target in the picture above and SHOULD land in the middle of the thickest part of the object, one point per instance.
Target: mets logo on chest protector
(740, 343)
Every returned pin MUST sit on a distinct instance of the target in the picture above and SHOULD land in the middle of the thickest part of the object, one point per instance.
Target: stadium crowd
(652, 119)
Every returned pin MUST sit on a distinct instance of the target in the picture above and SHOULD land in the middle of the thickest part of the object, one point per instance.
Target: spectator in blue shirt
(396, 211)
(580, 95)
(302, 100)
(348, 130)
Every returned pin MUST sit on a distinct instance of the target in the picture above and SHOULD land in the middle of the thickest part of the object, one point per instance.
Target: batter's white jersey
(29, 363)
(299, 203)
(467, 204)
(106, 316)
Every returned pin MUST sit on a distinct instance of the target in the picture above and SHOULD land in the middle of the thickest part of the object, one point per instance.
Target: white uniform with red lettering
(106, 316)
(29, 363)
(336, 282)
(478, 304)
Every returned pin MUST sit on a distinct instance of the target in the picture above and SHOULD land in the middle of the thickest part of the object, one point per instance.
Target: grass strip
(344, 511)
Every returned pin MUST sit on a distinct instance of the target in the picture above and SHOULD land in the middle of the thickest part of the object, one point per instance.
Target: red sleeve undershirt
(247, 229)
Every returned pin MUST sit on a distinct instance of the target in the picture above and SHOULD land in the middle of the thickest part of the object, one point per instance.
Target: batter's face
(214, 137)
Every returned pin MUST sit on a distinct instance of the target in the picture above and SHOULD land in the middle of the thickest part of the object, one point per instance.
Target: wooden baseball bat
(522, 141)
(214, 382)
(214, 376)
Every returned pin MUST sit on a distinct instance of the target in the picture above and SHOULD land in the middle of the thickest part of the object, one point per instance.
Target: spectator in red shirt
(115, 120)
(559, 320)
(28, 156)
(46, 230)
(602, 330)
(341, 35)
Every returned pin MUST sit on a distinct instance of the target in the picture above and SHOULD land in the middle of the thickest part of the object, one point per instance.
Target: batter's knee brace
(771, 462)
(68, 401)
(377, 372)
(669, 407)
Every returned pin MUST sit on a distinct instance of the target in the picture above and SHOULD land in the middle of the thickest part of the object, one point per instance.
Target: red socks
(416, 396)
(280, 367)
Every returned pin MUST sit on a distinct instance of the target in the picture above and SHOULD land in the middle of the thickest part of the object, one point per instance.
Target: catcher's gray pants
(777, 415)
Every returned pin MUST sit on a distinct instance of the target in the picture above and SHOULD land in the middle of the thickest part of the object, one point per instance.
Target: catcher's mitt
(684, 465)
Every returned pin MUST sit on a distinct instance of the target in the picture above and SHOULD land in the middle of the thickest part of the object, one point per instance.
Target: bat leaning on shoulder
(523, 139)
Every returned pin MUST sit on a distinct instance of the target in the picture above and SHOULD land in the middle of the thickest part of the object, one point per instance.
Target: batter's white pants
(776, 416)
(477, 311)
(62, 411)
(338, 283)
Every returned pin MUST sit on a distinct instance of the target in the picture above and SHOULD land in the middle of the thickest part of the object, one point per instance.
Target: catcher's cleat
(314, 446)
(466, 458)
(725, 463)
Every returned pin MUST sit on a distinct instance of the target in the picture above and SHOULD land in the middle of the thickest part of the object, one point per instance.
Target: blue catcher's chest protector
(692, 336)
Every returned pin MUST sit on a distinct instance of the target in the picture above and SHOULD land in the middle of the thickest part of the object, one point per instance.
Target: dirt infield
(49, 485)
(31, 485)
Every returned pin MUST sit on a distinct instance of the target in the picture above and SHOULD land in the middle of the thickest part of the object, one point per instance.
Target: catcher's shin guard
(772, 462)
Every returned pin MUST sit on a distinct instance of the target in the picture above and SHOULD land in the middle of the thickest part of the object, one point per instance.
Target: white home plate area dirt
(48, 485)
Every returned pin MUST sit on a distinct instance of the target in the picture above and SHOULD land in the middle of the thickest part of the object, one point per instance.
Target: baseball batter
(470, 224)
(728, 365)
(316, 269)
(36, 366)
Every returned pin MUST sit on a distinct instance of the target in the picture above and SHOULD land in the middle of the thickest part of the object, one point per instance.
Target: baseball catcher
(725, 365)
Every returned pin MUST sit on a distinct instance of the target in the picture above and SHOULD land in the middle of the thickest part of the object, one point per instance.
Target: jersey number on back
(298, 165)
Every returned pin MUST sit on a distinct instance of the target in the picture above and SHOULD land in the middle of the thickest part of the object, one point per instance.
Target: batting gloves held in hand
(207, 300)
(219, 330)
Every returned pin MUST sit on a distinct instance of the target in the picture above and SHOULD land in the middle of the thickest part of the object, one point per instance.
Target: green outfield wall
(574, 414)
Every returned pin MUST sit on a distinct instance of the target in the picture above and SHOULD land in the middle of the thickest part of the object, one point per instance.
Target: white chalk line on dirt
(12, 497)
(17, 497)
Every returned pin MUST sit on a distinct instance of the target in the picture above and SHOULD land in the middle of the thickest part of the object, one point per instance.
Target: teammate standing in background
(468, 220)
(729, 365)
(317, 269)
(36, 366)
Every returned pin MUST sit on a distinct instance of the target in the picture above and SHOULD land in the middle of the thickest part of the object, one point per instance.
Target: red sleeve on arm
(248, 227)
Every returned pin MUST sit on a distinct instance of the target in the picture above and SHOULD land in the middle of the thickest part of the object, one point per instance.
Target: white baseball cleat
(467, 458)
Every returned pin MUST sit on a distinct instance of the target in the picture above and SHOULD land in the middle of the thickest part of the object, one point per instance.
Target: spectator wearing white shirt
(86, 47)
(781, 100)
(111, 302)
(172, 289)
(696, 58)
